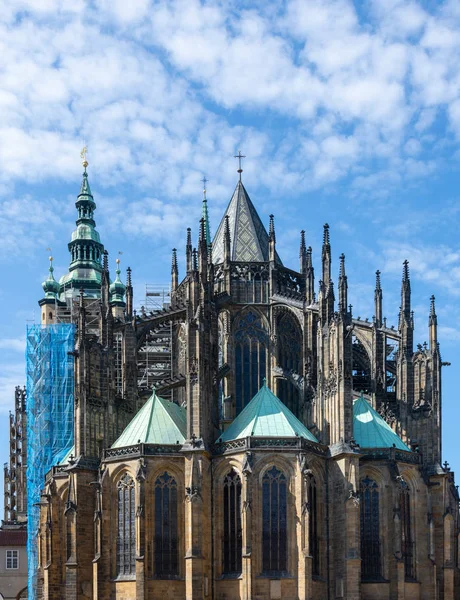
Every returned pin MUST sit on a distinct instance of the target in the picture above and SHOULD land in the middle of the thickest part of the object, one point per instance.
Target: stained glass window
(232, 540)
(251, 342)
(370, 530)
(274, 522)
(126, 536)
(407, 544)
(313, 524)
(289, 352)
(166, 527)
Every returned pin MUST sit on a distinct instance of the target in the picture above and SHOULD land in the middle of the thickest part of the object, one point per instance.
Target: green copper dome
(50, 285)
(117, 288)
(266, 416)
(85, 232)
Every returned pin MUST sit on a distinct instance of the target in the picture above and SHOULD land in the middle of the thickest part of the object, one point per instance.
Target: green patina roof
(85, 232)
(370, 430)
(266, 416)
(158, 422)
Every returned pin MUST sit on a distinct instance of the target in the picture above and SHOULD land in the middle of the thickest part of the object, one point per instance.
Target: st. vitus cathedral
(290, 451)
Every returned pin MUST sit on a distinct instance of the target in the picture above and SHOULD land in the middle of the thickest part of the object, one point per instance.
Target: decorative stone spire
(326, 256)
(50, 285)
(189, 251)
(129, 294)
(205, 214)
(433, 325)
(405, 291)
(310, 278)
(272, 240)
(174, 271)
(378, 300)
(303, 253)
(343, 286)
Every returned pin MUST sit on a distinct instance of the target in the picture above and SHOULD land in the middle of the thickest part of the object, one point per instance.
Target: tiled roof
(248, 236)
(370, 430)
(158, 422)
(266, 416)
(13, 537)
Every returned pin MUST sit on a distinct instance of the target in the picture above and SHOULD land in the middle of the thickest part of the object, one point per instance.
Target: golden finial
(118, 261)
(83, 154)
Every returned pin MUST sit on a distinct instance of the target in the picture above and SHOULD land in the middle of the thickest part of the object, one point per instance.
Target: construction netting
(50, 419)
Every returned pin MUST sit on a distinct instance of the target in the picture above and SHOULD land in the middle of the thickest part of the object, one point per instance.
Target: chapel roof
(248, 236)
(158, 422)
(266, 416)
(370, 430)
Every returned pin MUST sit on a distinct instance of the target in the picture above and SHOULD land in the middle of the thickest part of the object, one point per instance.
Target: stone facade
(234, 323)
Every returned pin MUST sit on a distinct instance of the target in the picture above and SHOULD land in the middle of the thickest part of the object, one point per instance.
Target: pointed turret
(272, 239)
(433, 325)
(405, 290)
(378, 300)
(205, 214)
(129, 294)
(48, 303)
(249, 238)
(85, 247)
(189, 250)
(343, 286)
(117, 294)
(326, 256)
(303, 253)
(50, 285)
(174, 271)
(310, 277)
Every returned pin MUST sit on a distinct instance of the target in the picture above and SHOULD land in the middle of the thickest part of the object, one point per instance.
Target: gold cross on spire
(239, 156)
(83, 154)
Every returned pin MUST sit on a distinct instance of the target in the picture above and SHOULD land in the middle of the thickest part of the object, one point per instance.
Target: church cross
(239, 156)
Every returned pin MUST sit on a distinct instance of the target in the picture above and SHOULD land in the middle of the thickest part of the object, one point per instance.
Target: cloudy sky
(348, 113)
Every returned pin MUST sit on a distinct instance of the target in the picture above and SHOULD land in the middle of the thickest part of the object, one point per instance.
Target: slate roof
(248, 236)
(266, 416)
(158, 422)
(370, 430)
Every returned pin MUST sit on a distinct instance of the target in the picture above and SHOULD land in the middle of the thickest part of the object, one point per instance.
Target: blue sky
(348, 114)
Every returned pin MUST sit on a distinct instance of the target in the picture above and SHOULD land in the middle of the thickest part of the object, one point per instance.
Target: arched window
(274, 522)
(251, 342)
(312, 496)
(370, 531)
(232, 542)
(126, 535)
(289, 353)
(407, 543)
(166, 527)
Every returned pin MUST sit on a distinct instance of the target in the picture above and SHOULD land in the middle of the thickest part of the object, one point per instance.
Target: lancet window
(166, 527)
(274, 522)
(407, 543)
(232, 539)
(313, 538)
(370, 530)
(289, 354)
(251, 341)
(126, 535)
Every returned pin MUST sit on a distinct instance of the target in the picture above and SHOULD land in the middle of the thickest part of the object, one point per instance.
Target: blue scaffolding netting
(50, 419)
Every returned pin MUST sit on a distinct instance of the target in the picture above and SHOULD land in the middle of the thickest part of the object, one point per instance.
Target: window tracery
(251, 342)
(166, 527)
(232, 539)
(126, 534)
(289, 354)
(274, 522)
(370, 530)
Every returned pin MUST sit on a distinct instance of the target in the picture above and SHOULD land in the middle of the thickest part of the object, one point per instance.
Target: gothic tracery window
(407, 543)
(251, 342)
(166, 527)
(289, 357)
(126, 534)
(274, 522)
(370, 530)
(232, 540)
(312, 495)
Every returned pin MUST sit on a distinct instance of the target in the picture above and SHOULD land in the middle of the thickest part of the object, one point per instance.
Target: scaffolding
(50, 419)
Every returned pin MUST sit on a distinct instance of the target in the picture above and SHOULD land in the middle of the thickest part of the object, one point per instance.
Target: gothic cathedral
(289, 451)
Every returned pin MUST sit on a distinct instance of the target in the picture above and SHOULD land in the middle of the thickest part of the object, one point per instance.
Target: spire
(272, 240)
(310, 277)
(117, 288)
(303, 253)
(433, 325)
(85, 246)
(188, 250)
(129, 294)
(195, 260)
(406, 320)
(239, 156)
(50, 285)
(343, 286)
(378, 300)
(205, 214)
(174, 271)
(326, 256)
(405, 290)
